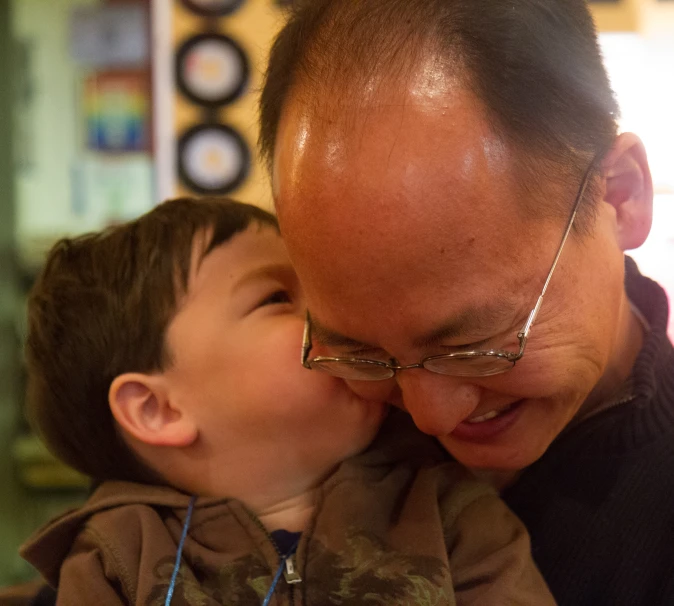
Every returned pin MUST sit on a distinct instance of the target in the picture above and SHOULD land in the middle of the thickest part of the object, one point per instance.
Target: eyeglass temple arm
(524, 333)
(306, 340)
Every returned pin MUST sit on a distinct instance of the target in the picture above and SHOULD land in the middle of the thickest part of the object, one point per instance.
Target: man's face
(406, 223)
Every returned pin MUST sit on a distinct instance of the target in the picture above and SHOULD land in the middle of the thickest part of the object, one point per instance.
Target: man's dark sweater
(599, 504)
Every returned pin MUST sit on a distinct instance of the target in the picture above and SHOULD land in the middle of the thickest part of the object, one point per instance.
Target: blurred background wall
(109, 106)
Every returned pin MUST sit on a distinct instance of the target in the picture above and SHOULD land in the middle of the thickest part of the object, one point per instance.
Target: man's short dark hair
(535, 64)
(100, 308)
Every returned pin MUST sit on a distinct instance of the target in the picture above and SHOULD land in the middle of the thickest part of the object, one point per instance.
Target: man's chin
(499, 458)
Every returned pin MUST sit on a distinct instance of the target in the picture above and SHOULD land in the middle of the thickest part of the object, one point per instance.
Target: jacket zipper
(612, 405)
(290, 572)
(624, 400)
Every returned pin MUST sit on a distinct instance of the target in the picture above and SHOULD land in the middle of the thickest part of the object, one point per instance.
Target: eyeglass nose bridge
(397, 367)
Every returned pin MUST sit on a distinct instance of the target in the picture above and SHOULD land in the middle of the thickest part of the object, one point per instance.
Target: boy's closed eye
(269, 287)
(280, 296)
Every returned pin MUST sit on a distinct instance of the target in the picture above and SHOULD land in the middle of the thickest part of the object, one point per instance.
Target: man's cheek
(381, 391)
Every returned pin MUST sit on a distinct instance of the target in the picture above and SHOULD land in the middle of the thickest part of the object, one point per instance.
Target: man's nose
(437, 403)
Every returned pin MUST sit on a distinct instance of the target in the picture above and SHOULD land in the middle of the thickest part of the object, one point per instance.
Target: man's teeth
(488, 416)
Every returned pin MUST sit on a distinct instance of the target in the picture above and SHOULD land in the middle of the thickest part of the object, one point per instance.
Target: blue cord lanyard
(279, 572)
(176, 566)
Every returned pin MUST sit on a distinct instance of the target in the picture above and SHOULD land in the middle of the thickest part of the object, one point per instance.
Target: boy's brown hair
(100, 308)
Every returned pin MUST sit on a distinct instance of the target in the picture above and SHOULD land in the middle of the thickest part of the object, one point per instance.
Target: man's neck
(629, 342)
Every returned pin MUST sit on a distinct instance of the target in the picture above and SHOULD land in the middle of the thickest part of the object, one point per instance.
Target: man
(429, 158)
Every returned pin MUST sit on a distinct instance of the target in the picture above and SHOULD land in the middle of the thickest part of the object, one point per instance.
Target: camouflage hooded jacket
(397, 525)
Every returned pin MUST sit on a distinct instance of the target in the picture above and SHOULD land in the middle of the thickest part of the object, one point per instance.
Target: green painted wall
(10, 498)
(21, 509)
(47, 113)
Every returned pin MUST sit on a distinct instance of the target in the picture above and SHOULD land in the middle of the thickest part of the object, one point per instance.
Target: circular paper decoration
(211, 69)
(213, 159)
(213, 8)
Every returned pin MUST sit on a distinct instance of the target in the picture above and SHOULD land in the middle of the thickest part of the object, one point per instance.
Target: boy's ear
(629, 190)
(141, 406)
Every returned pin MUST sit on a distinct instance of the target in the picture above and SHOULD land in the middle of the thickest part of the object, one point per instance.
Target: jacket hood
(47, 549)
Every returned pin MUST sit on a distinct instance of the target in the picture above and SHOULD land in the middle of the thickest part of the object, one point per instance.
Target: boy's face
(235, 346)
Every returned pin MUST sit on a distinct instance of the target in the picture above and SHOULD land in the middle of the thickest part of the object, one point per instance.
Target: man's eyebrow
(331, 338)
(472, 320)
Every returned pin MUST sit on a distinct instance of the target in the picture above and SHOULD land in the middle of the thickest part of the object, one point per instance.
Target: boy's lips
(489, 424)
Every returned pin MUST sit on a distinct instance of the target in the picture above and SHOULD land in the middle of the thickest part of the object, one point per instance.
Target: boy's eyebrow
(273, 270)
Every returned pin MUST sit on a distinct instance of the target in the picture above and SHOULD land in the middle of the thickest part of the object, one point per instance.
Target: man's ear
(629, 189)
(141, 406)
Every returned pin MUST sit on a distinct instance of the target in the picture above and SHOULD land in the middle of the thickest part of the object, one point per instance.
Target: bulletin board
(213, 68)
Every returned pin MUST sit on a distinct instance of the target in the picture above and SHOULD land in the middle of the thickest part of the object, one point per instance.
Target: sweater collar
(650, 413)
(654, 360)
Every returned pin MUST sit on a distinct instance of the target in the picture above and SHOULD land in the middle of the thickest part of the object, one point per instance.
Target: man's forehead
(401, 252)
(395, 162)
(342, 123)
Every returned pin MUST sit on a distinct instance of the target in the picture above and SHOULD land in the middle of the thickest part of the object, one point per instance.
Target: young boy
(163, 361)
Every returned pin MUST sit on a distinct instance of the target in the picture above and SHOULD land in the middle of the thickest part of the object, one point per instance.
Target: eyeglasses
(478, 363)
